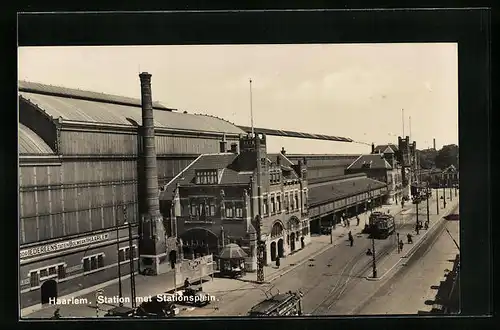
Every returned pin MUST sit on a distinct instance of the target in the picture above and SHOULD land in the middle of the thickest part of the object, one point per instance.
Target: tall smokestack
(153, 232)
(434, 143)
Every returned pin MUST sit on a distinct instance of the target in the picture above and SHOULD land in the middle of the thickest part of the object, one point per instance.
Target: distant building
(216, 199)
(381, 165)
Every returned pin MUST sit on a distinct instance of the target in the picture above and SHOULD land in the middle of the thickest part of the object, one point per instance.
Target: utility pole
(437, 200)
(449, 184)
(120, 295)
(428, 197)
(374, 261)
(260, 251)
(444, 193)
(417, 223)
(131, 258)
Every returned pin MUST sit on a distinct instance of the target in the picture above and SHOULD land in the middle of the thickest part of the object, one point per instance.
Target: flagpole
(403, 120)
(410, 126)
(251, 107)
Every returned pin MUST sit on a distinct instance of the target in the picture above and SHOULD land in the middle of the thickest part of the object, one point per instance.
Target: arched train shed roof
(31, 144)
(80, 106)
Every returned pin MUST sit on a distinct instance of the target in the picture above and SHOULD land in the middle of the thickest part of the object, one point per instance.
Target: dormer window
(206, 177)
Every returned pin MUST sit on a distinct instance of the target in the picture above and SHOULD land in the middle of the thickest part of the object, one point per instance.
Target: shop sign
(35, 251)
(25, 281)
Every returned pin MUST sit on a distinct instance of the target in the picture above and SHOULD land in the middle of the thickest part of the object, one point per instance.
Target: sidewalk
(391, 261)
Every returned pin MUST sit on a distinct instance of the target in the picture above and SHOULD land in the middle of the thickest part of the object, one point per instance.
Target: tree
(448, 155)
(427, 158)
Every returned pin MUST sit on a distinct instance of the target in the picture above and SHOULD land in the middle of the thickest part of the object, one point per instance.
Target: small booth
(232, 261)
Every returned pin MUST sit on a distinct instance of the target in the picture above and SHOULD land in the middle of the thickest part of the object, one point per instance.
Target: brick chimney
(373, 148)
(152, 243)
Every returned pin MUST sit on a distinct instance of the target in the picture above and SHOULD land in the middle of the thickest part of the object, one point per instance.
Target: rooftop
(341, 188)
(32, 144)
(91, 107)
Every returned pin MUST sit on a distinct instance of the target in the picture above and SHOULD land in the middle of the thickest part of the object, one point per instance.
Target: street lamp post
(428, 197)
(131, 257)
(437, 200)
(120, 295)
(449, 184)
(374, 260)
(444, 194)
(416, 225)
(374, 263)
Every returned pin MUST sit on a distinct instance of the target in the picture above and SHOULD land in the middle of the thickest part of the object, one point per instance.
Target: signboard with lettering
(54, 247)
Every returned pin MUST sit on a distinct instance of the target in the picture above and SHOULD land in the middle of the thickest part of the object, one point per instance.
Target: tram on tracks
(281, 304)
(381, 225)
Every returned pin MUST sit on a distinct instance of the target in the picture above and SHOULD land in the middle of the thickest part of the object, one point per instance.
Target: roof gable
(372, 161)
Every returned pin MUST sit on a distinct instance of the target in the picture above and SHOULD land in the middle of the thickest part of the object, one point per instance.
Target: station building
(81, 178)
(382, 165)
(217, 198)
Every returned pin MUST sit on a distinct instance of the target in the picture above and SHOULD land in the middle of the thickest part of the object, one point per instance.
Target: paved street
(414, 287)
(328, 274)
(327, 280)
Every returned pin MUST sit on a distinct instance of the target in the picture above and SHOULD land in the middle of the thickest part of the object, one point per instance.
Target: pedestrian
(401, 244)
(186, 283)
(351, 239)
(348, 223)
(426, 225)
(409, 238)
(357, 220)
(56, 314)
(277, 262)
(369, 252)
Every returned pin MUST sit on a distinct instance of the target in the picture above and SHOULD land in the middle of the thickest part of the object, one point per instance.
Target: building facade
(82, 177)
(216, 200)
(382, 165)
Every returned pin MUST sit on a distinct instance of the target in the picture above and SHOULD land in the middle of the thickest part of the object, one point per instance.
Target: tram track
(350, 274)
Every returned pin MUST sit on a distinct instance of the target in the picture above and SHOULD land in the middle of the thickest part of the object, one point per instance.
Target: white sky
(349, 90)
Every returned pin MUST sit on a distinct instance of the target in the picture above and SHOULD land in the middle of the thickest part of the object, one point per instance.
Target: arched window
(277, 230)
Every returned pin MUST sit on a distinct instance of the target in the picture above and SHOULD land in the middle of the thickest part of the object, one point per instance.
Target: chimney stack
(153, 231)
(434, 143)
(373, 148)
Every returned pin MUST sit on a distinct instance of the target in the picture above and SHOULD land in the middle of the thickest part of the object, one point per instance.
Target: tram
(281, 304)
(381, 225)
